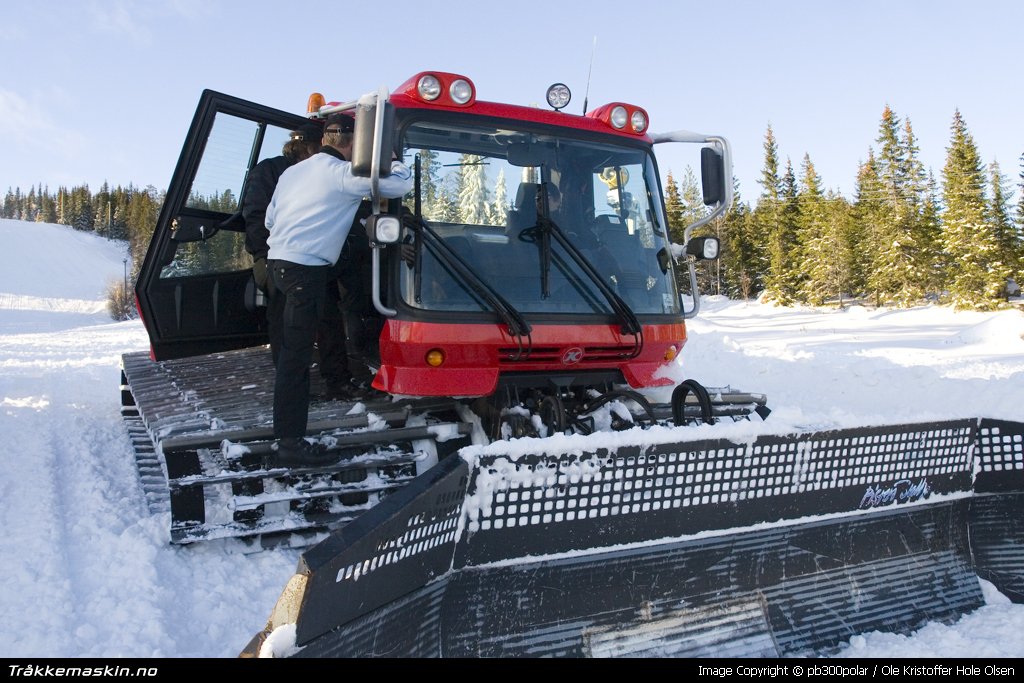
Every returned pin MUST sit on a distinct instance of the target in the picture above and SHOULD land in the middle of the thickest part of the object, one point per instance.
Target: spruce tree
(820, 242)
(674, 210)
(1020, 198)
(741, 260)
(770, 221)
(429, 184)
(896, 273)
(1002, 222)
(1020, 226)
(931, 229)
(497, 211)
(924, 221)
(976, 277)
(472, 190)
(8, 207)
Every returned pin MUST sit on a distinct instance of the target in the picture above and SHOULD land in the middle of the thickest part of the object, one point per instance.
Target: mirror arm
(375, 287)
(687, 314)
(725, 149)
(378, 128)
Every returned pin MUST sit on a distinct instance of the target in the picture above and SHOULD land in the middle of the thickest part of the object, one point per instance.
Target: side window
(218, 181)
(215, 195)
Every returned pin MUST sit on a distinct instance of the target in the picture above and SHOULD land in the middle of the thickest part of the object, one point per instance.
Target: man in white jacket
(309, 218)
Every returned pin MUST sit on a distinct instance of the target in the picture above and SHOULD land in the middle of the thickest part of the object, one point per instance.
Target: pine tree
(1020, 199)
(819, 240)
(102, 211)
(786, 275)
(931, 230)
(497, 211)
(472, 195)
(896, 273)
(31, 206)
(48, 210)
(1005, 232)
(1020, 225)
(427, 159)
(9, 204)
(770, 222)
(740, 257)
(976, 278)
(924, 224)
(674, 210)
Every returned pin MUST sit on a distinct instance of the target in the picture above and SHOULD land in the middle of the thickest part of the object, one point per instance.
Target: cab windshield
(480, 188)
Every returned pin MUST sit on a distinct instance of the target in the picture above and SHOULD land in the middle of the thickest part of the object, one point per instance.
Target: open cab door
(195, 289)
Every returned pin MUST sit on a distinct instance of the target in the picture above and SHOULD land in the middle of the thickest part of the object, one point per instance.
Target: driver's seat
(525, 213)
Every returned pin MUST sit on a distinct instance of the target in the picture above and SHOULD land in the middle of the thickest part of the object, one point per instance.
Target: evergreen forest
(904, 238)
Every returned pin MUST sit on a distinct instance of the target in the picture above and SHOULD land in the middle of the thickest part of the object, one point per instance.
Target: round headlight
(619, 116)
(559, 96)
(429, 87)
(461, 91)
(638, 121)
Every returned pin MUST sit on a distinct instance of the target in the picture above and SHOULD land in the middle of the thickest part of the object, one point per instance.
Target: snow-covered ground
(90, 573)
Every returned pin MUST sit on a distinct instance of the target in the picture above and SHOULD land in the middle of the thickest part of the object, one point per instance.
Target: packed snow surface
(90, 573)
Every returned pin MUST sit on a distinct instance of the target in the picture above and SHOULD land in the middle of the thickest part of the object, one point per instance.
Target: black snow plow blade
(781, 546)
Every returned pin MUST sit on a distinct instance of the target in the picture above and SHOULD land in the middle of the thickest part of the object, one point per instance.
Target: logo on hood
(572, 356)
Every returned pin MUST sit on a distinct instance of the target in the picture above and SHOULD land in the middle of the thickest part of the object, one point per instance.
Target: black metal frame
(871, 519)
(193, 315)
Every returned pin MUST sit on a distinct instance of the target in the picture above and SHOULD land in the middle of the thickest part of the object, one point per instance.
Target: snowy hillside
(91, 574)
(52, 277)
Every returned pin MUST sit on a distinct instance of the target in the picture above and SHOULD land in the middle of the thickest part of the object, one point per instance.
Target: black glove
(259, 273)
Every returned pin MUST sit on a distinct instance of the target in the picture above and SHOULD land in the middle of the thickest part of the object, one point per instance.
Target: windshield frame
(654, 199)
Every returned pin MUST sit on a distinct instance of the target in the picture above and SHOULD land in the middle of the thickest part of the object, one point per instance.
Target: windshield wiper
(442, 251)
(545, 230)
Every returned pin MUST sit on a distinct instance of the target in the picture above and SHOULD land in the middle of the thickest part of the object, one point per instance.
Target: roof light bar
(440, 88)
(627, 118)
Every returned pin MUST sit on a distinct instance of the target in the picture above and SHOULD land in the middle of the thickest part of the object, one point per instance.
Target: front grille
(548, 354)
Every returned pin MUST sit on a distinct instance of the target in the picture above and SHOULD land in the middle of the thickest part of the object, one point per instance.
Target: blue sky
(105, 89)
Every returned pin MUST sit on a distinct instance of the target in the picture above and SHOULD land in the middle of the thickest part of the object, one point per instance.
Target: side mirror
(703, 248)
(712, 175)
(363, 137)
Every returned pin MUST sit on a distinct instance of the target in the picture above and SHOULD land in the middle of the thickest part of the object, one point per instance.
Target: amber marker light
(315, 101)
(435, 358)
(671, 353)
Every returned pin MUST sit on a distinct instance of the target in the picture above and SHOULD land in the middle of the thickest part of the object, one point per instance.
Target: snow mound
(1006, 327)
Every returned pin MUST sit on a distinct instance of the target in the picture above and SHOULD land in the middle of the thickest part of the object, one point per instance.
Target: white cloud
(26, 123)
(123, 17)
(133, 18)
(19, 119)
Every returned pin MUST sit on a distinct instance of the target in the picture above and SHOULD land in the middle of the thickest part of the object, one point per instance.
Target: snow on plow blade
(784, 545)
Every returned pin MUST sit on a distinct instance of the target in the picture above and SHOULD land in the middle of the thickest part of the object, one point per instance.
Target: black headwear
(344, 122)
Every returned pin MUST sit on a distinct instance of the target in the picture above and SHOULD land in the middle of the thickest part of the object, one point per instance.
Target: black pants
(330, 340)
(296, 307)
(344, 336)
